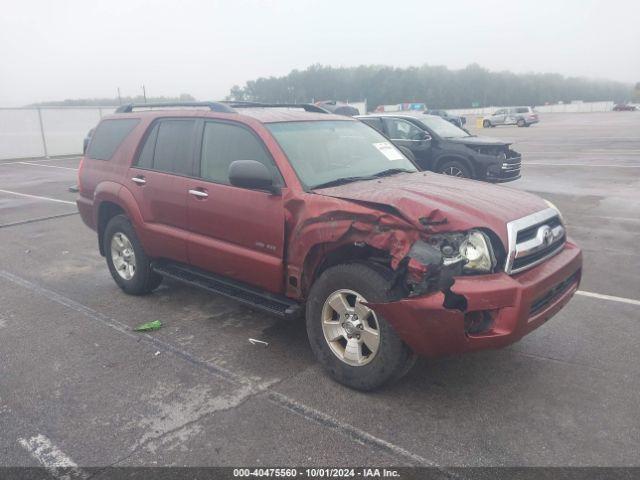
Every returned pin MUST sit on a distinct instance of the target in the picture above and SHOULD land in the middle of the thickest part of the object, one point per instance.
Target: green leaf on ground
(149, 326)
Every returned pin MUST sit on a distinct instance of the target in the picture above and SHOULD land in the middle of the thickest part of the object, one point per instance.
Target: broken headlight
(476, 249)
(470, 250)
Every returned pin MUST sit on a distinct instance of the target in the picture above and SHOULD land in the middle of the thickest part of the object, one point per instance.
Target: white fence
(583, 107)
(46, 131)
(52, 131)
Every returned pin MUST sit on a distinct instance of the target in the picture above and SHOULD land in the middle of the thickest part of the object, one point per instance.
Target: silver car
(520, 116)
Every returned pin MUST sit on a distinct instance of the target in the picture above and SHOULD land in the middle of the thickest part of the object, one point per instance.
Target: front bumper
(505, 170)
(517, 304)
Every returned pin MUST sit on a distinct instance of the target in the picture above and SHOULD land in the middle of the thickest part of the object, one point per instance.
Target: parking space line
(54, 460)
(48, 166)
(56, 159)
(610, 298)
(579, 165)
(282, 400)
(38, 219)
(37, 197)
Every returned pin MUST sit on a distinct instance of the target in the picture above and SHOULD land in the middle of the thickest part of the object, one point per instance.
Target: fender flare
(118, 195)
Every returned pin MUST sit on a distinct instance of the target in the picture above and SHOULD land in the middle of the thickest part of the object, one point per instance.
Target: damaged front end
(433, 262)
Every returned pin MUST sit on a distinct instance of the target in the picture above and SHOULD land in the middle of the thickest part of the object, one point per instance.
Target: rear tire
(521, 123)
(128, 263)
(454, 168)
(332, 331)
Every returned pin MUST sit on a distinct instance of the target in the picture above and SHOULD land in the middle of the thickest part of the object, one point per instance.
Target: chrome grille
(533, 239)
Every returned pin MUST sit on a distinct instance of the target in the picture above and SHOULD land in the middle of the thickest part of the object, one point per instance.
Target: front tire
(454, 168)
(128, 263)
(356, 346)
(486, 124)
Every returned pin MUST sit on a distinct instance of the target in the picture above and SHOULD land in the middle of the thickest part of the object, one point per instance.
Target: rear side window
(169, 147)
(108, 137)
(224, 143)
(522, 110)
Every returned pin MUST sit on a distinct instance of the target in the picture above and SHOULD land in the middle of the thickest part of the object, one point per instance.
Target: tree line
(437, 86)
(107, 102)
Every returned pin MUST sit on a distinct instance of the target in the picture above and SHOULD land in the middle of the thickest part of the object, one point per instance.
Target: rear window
(169, 147)
(174, 147)
(108, 137)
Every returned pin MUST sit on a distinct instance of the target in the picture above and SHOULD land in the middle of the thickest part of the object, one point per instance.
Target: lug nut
(349, 336)
(361, 327)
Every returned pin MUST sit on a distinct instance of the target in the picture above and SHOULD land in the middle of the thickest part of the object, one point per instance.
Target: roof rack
(307, 107)
(214, 106)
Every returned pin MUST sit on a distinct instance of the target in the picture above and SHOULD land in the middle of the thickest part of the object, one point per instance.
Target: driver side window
(500, 112)
(402, 130)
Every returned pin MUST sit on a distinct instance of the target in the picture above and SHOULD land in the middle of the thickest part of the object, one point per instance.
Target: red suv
(290, 209)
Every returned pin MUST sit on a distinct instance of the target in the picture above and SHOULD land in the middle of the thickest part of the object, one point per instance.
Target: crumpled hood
(433, 197)
(478, 141)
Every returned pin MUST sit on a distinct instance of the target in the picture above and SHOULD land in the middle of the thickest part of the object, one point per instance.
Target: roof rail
(307, 107)
(214, 106)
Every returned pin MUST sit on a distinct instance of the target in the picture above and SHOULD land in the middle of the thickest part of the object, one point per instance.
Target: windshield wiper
(341, 181)
(391, 171)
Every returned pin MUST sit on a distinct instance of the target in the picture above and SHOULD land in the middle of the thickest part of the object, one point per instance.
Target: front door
(235, 232)
(406, 134)
(498, 117)
(158, 181)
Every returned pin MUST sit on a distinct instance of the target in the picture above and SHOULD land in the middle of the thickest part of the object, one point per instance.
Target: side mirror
(251, 174)
(424, 136)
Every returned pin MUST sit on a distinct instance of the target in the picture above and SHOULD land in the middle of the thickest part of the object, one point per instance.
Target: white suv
(520, 116)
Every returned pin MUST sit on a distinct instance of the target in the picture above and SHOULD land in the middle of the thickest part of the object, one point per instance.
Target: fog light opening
(478, 322)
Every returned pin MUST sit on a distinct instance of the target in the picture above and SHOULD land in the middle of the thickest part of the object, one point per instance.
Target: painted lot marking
(37, 197)
(43, 165)
(579, 165)
(610, 298)
(57, 463)
(284, 401)
(13, 162)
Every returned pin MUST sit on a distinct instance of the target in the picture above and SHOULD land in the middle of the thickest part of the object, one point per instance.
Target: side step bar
(275, 304)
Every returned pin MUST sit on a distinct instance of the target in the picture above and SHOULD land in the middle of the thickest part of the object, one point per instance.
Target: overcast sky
(52, 50)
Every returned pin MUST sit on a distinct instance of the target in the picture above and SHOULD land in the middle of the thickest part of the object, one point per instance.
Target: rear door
(235, 232)
(511, 116)
(405, 134)
(159, 181)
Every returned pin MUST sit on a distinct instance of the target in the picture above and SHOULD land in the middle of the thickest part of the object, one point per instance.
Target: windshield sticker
(389, 151)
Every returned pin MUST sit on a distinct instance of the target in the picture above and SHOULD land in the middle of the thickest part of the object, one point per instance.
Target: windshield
(325, 152)
(442, 127)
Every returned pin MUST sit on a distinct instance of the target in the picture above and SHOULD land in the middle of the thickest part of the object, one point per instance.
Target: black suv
(457, 120)
(437, 145)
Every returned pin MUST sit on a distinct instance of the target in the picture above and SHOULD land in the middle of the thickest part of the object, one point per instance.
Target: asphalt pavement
(78, 383)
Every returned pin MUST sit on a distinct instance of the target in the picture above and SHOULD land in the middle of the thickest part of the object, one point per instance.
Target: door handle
(139, 180)
(198, 193)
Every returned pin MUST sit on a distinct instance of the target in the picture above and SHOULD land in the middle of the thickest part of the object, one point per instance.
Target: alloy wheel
(453, 171)
(123, 256)
(350, 328)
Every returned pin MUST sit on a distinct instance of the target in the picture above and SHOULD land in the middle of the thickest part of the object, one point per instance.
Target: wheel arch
(323, 256)
(107, 209)
(455, 158)
(111, 202)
